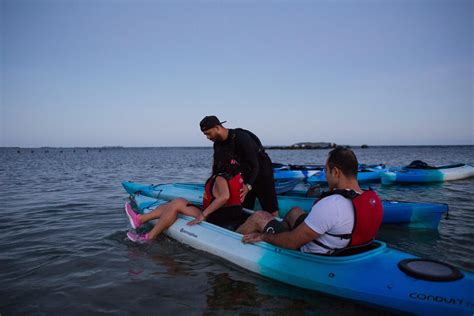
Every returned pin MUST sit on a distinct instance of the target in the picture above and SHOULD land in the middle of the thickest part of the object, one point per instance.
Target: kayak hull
(293, 174)
(441, 174)
(316, 173)
(363, 176)
(285, 185)
(372, 277)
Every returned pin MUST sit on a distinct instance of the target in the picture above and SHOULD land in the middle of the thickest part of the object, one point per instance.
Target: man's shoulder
(334, 201)
(334, 198)
(241, 134)
(239, 131)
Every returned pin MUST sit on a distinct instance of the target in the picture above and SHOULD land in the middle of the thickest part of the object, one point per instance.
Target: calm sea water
(63, 247)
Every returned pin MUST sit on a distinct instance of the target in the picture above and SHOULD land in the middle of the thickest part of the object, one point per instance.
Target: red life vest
(368, 213)
(235, 184)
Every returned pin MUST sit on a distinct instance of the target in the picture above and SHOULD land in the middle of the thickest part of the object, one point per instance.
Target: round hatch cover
(430, 270)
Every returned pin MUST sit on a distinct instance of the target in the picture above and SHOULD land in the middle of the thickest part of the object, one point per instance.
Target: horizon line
(119, 146)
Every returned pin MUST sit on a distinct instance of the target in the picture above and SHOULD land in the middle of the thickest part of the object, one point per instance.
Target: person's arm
(319, 221)
(294, 239)
(248, 154)
(221, 193)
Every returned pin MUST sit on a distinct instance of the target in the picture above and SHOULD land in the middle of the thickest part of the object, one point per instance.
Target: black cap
(209, 122)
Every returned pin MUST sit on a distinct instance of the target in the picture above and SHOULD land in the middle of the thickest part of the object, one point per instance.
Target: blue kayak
(376, 275)
(415, 215)
(294, 174)
(285, 185)
(300, 172)
(426, 175)
(365, 174)
(316, 173)
(280, 166)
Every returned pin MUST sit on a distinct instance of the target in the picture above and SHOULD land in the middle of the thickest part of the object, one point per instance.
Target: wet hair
(224, 163)
(345, 160)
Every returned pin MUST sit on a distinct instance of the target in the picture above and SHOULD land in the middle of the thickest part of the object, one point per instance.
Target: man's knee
(262, 217)
(274, 227)
(291, 217)
(259, 219)
(266, 223)
(294, 212)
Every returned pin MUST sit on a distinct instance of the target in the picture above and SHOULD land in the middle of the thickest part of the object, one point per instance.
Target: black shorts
(263, 189)
(275, 227)
(229, 217)
(226, 215)
(299, 220)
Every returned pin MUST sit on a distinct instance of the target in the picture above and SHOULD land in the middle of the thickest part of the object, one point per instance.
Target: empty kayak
(294, 174)
(426, 175)
(285, 185)
(301, 172)
(375, 275)
(415, 215)
(316, 173)
(280, 166)
(364, 174)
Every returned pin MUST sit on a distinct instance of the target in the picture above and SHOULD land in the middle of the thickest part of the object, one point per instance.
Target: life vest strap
(342, 236)
(320, 244)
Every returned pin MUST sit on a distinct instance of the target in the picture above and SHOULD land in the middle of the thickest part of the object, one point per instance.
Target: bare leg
(255, 223)
(160, 210)
(167, 214)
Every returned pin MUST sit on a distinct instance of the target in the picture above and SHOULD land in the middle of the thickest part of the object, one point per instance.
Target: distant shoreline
(209, 147)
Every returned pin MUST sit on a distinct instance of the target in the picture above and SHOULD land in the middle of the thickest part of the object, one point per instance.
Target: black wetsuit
(255, 165)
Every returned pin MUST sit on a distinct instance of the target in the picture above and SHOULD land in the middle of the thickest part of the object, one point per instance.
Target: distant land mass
(311, 145)
(305, 145)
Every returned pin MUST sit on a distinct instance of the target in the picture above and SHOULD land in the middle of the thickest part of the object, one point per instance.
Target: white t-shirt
(333, 214)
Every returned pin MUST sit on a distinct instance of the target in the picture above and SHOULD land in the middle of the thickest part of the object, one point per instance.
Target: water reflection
(270, 297)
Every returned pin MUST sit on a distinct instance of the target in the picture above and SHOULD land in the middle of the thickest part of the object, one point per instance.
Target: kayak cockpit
(354, 250)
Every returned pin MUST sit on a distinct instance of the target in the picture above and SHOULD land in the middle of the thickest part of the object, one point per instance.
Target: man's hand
(197, 220)
(243, 193)
(252, 237)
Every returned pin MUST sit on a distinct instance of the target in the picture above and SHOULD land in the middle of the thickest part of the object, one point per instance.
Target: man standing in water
(256, 166)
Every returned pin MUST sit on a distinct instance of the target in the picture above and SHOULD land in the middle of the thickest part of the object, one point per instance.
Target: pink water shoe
(138, 238)
(132, 216)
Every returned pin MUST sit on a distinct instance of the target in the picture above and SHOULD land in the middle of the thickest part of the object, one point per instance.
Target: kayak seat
(354, 250)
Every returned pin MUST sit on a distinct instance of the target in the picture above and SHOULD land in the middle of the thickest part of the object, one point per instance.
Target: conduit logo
(439, 299)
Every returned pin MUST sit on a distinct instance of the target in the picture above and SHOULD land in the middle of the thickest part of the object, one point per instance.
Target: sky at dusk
(144, 73)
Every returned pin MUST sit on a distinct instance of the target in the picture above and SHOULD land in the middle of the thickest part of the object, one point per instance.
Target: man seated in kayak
(344, 216)
(221, 202)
